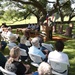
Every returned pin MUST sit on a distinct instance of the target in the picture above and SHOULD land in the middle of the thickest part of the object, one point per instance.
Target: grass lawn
(26, 21)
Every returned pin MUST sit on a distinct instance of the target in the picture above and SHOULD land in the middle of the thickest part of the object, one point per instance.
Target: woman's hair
(44, 69)
(59, 45)
(14, 53)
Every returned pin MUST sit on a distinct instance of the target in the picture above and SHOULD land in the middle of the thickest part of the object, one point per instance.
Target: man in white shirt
(58, 55)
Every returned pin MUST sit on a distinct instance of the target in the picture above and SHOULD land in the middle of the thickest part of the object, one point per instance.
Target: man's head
(35, 42)
(59, 45)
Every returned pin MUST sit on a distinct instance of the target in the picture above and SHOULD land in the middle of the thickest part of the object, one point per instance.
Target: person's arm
(42, 54)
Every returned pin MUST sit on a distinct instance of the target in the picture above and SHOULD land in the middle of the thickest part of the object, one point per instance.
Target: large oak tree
(39, 8)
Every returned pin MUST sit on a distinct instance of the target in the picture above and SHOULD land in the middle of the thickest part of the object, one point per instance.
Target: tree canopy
(21, 9)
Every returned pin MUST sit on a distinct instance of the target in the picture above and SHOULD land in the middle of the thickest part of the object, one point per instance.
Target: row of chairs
(58, 68)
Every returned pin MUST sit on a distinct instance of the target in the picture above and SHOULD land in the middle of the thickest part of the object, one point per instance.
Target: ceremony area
(37, 37)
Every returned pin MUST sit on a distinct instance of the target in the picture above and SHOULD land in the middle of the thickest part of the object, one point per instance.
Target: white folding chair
(23, 52)
(59, 68)
(36, 59)
(48, 46)
(5, 72)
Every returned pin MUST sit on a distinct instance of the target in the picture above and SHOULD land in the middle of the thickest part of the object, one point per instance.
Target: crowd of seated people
(13, 64)
(6, 32)
(34, 27)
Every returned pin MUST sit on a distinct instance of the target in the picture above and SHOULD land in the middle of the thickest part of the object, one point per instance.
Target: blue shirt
(34, 50)
(35, 73)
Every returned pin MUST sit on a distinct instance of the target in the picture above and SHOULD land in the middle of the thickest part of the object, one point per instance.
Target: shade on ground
(55, 38)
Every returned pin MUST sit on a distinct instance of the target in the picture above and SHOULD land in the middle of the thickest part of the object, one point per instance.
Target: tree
(40, 8)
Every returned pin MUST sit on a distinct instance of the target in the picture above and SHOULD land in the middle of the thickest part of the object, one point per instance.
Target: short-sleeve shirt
(16, 67)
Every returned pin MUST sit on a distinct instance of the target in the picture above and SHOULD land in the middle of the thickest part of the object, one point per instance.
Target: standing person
(58, 55)
(50, 28)
(13, 63)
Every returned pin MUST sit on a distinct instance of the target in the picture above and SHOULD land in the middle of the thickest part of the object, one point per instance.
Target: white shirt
(34, 50)
(9, 33)
(59, 57)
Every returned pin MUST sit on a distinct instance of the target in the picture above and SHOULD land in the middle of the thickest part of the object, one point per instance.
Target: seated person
(58, 55)
(33, 27)
(42, 48)
(37, 27)
(43, 69)
(29, 26)
(3, 43)
(12, 42)
(13, 64)
(23, 46)
(28, 39)
(9, 33)
(2, 59)
(34, 48)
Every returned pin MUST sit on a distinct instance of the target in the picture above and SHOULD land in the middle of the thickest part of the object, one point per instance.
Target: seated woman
(26, 34)
(12, 41)
(43, 69)
(13, 63)
(23, 46)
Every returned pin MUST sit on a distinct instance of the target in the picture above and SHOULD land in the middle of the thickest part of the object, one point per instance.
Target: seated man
(41, 47)
(34, 48)
(58, 55)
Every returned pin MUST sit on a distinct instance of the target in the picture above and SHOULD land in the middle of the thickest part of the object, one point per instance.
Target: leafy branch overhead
(21, 9)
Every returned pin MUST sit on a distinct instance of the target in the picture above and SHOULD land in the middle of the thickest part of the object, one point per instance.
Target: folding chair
(23, 52)
(36, 59)
(48, 46)
(59, 68)
(23, 55)
(5, 72)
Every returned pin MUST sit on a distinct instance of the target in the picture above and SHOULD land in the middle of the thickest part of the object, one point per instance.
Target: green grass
(26, 21)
